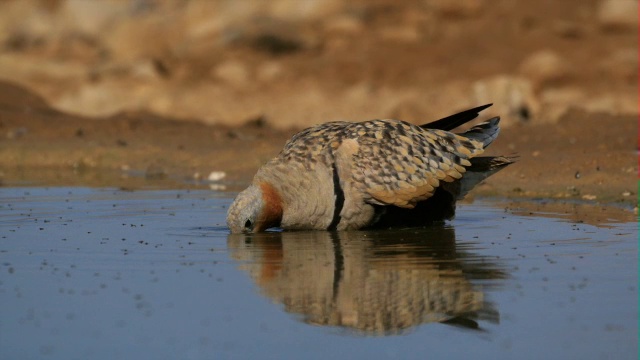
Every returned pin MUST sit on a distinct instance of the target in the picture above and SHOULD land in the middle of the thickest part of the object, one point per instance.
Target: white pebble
(216, 175)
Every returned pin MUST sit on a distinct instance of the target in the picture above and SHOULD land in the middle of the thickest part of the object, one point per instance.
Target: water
(109, 274)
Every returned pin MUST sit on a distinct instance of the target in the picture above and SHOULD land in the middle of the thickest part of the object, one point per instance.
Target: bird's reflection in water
(375, 282)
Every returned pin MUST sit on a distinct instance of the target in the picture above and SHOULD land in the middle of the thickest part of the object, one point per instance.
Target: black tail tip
(482, 107)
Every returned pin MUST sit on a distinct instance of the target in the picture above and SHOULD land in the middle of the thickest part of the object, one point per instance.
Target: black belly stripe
(339, 194)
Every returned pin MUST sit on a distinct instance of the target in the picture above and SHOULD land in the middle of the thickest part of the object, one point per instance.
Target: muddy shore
(584, 157)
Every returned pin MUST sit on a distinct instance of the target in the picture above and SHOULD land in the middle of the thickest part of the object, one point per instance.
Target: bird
(388, 173)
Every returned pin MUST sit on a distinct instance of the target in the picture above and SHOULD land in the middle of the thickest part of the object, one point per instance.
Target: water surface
(105, 274)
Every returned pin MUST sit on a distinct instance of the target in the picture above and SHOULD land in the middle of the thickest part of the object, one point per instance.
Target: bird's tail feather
(481, 168)
(485, 132)
(453, 121)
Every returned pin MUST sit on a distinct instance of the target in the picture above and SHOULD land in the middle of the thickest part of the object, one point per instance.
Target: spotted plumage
(345, 175)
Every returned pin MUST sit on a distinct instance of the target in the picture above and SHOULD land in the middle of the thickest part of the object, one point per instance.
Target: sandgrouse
(378, 173)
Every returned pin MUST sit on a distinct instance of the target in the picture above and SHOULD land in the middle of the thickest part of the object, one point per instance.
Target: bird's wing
(400, 164)
(311, 145)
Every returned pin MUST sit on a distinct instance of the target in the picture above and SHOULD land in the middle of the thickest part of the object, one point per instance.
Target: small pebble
(216, 175)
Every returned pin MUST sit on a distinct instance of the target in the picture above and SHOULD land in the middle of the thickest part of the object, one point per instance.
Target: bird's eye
(248, 224)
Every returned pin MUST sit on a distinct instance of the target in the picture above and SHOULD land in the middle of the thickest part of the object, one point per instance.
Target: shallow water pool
(107, 274)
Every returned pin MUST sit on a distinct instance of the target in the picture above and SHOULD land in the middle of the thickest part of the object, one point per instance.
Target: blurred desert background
(122, 93)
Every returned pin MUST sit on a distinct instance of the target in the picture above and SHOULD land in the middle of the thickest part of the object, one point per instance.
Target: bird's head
(255, 209)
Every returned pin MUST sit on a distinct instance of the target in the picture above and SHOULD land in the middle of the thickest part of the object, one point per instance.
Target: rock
(93, 17)
(269, 71)
(616, 104)
(618, 15)
(22, 18)
(556, 102)
(105, 98)
(622, 63)
(301, 10)
(216, 176)
(568, 29)
(276, 44)
(544, 66)
(206, 19)
(403, 33)
(233, 72)
(512, 97)
(144, 37)
(138, 70)
(22, 68)
(566, 95)
(344, 24)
